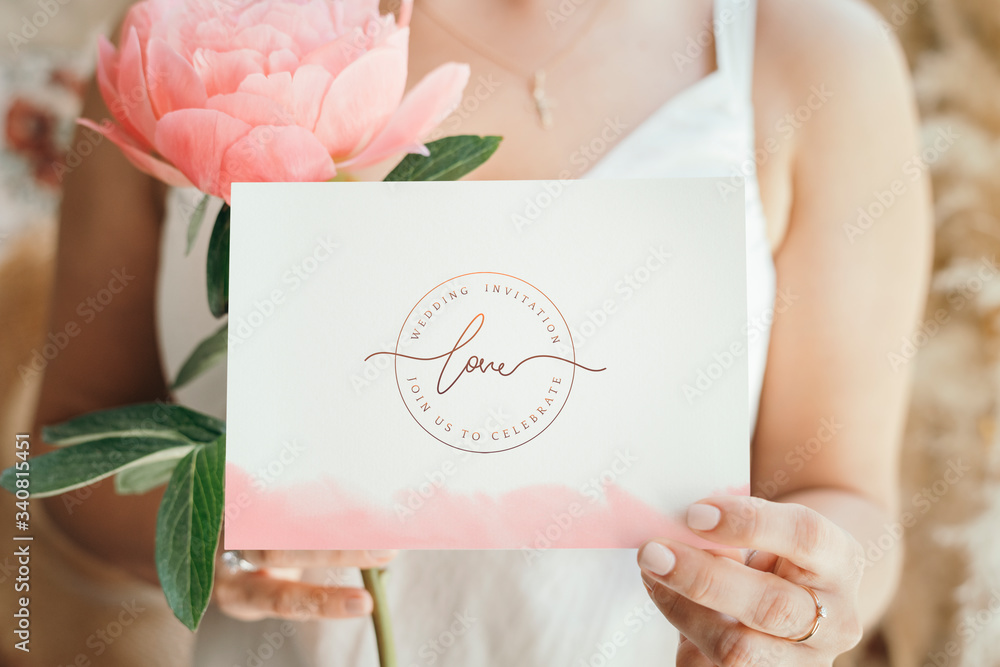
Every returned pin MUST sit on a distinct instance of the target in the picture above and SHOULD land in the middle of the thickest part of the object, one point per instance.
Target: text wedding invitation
(494, 364)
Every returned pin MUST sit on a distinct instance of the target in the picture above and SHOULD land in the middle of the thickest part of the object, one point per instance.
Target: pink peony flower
(208, 93)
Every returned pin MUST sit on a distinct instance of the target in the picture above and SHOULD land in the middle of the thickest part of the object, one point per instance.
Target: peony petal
(341, 52)
(405, 13)
(395, 39)
(282, 60)
(262, 38)
(250, 14)
(252, 109)
(383, 30)
(309, 86)
(348, 14)
(195, 140)
(140, 17)
(307, 23)
(277, 87)
(361, 100)
(134, 109)
(173, 83)
(216, 33)
(107, 74)
(275, 154)
(143, 161)
(223, 72)
(423, 109)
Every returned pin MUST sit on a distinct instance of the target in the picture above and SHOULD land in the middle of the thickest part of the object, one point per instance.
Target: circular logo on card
(485, 362)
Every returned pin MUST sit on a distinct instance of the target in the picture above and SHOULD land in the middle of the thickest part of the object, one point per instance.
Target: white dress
(579, 608)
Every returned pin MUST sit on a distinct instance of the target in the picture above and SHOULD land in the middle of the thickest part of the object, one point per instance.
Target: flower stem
(374, 579)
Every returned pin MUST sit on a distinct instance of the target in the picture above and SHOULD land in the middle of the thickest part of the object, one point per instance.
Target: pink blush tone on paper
(537, 517)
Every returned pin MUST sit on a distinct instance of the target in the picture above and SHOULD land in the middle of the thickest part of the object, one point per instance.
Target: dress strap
(735, 23)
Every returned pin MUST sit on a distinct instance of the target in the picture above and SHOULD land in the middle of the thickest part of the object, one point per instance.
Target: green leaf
(450, 159)
(187, 531)
(194, 225)
(218, 264)
(146, 476)
(142, 421)
(209, 352)
(73, 467)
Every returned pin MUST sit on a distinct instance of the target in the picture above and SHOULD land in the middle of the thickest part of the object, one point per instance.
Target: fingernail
(358, 605)
(703, 517)
(657, 559)
(381, 554)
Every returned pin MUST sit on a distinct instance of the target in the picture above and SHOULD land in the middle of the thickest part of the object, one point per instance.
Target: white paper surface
(327, 450)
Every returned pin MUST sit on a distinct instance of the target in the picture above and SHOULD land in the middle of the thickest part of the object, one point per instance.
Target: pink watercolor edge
(534, 517)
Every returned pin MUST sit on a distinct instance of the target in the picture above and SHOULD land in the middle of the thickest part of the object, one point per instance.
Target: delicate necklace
(536, 80)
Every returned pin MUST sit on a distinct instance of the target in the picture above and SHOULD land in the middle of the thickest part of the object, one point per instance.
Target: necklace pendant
(542, 103)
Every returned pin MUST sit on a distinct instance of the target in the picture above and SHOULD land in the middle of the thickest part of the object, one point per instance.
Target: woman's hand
(275, 589)
(733, 614)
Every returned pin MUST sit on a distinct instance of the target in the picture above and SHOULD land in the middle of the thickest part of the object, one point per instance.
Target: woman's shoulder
(832, 99)
(832, 84)
(836, 48)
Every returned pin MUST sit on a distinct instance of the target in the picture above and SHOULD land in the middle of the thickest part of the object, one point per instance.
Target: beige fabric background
(950, 594)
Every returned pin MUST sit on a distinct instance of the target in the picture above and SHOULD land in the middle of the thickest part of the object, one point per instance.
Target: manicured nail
(381, 554)
(657, 559)
(703, 517)
(358, 605)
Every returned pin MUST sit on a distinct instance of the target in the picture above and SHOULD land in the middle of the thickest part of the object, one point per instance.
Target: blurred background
(947, 611)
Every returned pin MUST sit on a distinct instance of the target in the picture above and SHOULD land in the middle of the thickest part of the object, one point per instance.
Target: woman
(810, 103)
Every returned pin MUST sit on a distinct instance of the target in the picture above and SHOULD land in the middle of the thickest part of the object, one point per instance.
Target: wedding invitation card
(491, 364)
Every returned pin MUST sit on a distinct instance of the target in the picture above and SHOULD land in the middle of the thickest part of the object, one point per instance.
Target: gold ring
(820, 613)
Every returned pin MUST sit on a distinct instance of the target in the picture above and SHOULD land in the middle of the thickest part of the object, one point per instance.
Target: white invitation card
(482, 364)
